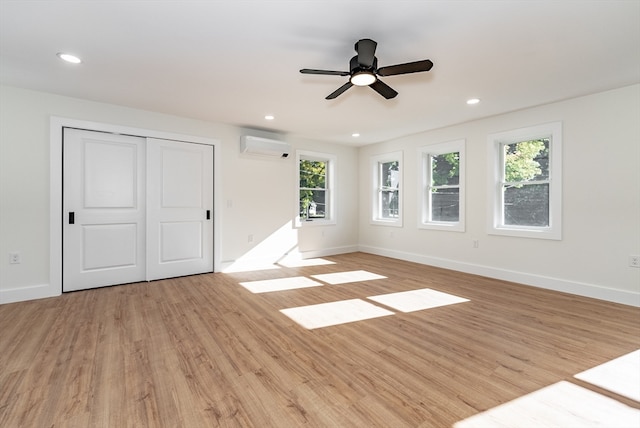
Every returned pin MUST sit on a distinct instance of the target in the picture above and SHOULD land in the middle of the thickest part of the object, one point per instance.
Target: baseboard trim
(32, 292)
(262, 263)
(328, 252)
(556, 284)
(43, 291)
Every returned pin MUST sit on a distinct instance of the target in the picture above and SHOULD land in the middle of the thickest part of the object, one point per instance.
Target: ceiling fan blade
(326, 72)
(410, 67)
(338, 91)
(366, 49)
(383, 89)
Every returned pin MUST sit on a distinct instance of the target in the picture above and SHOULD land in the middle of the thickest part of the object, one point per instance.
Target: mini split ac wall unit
(264, 147)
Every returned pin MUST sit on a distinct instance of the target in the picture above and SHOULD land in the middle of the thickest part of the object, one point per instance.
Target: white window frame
(425, 154)
(376, 161)
(496, 142)
(330, 189)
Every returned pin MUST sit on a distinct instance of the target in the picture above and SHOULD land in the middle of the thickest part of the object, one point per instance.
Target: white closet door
(104, 209)
(179, 208)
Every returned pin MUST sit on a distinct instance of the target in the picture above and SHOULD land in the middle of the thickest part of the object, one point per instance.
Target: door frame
(55, 186)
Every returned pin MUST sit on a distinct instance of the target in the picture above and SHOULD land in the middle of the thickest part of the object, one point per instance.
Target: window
(315, 195)
(387, 197)
(527, 182)
(442, 190)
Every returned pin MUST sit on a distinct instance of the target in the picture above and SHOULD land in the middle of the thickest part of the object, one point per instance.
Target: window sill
(391, 223)
(449, 227)
(523, 232)
(314, 222)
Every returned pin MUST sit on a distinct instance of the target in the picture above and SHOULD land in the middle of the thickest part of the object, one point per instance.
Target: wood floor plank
(204, 351)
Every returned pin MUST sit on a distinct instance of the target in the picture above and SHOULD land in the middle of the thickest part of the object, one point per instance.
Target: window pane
(445, 169)
(389, 204)
(312, 204)
(389, 174)
(526, 161)
(313, 174)
(526, 205)
(445, 205)
(527, 197)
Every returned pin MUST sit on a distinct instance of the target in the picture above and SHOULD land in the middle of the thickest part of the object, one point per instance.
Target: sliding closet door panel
(181, 175)
(179, 208)
(109, 246)
(104, 212)
(181, 241)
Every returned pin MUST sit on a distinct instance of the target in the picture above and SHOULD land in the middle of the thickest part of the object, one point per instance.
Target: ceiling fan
(364, 71)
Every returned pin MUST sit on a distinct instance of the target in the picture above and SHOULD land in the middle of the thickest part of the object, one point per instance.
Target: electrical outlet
(14, 258)
(250, 238)
(634, 261)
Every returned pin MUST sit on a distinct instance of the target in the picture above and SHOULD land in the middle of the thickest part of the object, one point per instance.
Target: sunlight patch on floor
(334, 313)
(346, 277)
(562, 404)
(620, 375)
(280, 284)
(417, 300)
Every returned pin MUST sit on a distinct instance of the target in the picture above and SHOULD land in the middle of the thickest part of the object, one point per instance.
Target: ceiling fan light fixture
(363, 78)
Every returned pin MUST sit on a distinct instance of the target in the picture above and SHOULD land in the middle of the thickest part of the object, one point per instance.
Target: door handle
(72, 217)
(208, 214)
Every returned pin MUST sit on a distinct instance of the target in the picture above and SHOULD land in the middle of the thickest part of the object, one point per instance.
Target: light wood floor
(203, 351)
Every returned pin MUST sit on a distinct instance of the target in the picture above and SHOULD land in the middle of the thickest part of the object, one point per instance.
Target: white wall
(260, 201)
(601, 202)
(258, 195)
(601, 163)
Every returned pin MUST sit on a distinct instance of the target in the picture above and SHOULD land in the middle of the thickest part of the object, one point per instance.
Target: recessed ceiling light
(472, 101)
(355, 134)
(69, 58)
(269, 117)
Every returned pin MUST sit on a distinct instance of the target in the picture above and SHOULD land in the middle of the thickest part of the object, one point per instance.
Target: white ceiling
(234, 61)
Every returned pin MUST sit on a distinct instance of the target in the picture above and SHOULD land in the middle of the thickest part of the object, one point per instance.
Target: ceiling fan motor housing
(355, 66)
